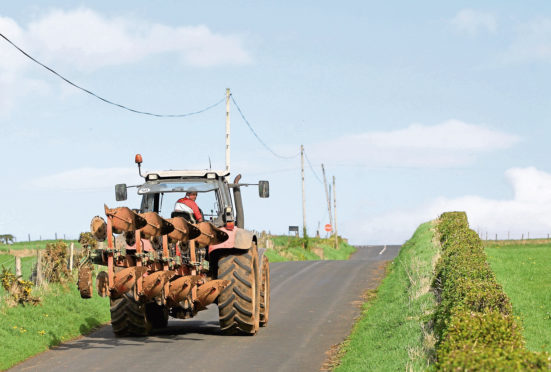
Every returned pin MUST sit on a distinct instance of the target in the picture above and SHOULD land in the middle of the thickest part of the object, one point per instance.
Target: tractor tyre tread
(238, 303)
(128, 316)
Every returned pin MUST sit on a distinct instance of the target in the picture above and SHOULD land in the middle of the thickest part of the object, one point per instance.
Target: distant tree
(7, 238)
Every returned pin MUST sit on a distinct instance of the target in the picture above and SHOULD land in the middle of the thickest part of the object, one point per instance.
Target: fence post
(71, 257)
(18, 274)
(55, 236)
(496, 237)
(522, 237)
(38, 278)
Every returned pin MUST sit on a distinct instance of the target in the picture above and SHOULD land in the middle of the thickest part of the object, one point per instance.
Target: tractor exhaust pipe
(239, 215)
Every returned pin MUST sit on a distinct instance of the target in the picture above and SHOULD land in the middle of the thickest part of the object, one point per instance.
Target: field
(288, 248)
(390, 334)
(35, 244)
(523, 271)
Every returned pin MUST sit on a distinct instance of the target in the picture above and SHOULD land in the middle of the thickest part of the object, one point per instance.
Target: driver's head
(192, 195)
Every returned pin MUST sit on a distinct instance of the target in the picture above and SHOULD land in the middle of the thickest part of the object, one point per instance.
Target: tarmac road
(313, 306)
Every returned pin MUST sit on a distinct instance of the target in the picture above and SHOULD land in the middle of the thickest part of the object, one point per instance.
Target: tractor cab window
(162, 196)
(207, 202)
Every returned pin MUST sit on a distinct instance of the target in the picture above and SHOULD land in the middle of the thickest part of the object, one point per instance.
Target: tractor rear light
(230, 225)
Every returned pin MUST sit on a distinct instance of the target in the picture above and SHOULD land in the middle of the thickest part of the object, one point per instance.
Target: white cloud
(85, 40)
(471, 21)
(86, 179)
(88, 40)
(528, 211)
(450, 143)
(531, 43)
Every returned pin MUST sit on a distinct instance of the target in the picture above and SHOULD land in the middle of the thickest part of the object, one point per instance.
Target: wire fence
(31, 238)
(508, 235)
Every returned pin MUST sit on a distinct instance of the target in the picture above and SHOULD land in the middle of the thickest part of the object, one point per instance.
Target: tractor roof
(186, 173)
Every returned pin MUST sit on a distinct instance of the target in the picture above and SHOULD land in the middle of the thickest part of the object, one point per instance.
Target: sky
(416, 108)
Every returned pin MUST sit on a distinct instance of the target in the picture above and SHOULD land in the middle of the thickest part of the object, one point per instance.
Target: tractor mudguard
(237, 238)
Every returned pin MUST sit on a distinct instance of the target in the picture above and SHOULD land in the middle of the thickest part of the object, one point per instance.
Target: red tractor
(161, 261)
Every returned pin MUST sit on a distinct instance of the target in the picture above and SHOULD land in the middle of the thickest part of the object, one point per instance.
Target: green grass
(288, 248)
(524, 272)
(36, 244)
(62, 315)
(390, 334)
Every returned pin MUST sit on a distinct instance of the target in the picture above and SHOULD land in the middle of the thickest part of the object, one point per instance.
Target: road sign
(328, 228)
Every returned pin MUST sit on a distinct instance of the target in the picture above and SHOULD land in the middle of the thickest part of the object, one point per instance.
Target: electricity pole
(303, 197)
(335, 208)
(227, 130)
(327, 195)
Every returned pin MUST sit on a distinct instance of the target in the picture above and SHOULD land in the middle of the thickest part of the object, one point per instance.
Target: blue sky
(416, 108)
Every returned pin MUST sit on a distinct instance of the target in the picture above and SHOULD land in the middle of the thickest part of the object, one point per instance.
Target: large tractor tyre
(128, 316)
(264, 292)
(157, 315)
(238, 303)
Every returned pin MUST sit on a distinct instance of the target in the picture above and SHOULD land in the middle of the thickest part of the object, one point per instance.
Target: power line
(105, 99)
(256, 135)
(312, 168)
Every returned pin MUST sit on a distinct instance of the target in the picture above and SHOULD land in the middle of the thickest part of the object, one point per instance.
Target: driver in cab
(188, 205)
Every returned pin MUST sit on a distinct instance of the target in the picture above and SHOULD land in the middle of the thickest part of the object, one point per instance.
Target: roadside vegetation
(394, 333)
(35, 318)
(474, 321)
(290, 248)
(522, 268)
(442, 306)
(26, 330)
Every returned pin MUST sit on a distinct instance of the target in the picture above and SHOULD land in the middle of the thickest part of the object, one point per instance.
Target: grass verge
(392, 333)
(61, 316)
(288, 248)
(523, 271)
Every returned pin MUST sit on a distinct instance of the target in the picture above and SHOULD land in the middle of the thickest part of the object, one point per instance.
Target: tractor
(162, 262)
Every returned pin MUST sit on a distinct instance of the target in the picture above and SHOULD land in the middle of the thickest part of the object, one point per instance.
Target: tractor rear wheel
(157, 315)
(264, 292)
(238, 303)
(128, 316)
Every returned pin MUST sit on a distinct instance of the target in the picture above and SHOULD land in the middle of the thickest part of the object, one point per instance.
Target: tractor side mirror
(263, 189)
(120, 192)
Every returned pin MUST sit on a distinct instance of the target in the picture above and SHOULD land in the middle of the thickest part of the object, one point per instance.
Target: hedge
(473, 320)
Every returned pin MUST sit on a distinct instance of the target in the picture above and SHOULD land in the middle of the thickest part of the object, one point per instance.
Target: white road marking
(384, 249)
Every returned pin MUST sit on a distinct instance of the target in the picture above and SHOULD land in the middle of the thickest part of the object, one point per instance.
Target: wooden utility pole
(327, 195)
(303, 196)
(335, 209)
(228, 129)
